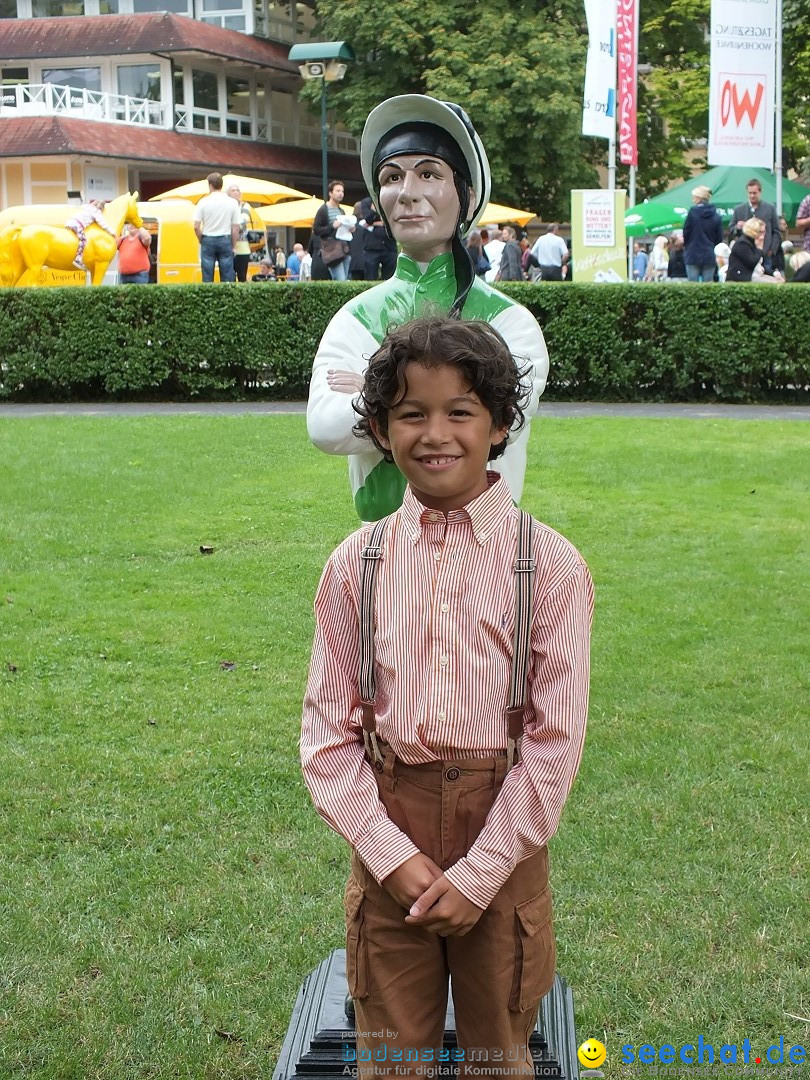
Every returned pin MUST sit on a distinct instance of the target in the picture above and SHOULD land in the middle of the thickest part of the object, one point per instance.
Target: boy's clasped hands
(432, 902)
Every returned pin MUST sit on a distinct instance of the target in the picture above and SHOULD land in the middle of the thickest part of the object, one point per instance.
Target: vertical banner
(741, 95)
(597, 236)
(627, 47)
(599, 99)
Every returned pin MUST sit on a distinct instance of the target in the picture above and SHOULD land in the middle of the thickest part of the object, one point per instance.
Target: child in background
(88, 214)
(449, 860)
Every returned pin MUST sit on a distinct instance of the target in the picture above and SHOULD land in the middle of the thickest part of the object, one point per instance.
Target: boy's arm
(336, 771)
(345, 346)
(527, 810)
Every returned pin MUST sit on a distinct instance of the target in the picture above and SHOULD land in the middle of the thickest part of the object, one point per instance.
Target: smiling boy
(449, 862)
(428, 174)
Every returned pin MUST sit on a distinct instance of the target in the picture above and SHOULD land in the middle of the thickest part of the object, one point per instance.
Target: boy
(449, 862)
(88, 214)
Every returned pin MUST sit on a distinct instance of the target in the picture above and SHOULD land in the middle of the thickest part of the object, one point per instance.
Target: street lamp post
(322, 60)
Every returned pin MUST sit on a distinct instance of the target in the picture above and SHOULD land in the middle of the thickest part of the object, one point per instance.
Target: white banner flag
(741, 98)
(599, 101)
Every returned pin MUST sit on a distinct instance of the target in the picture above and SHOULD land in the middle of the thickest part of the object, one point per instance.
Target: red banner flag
(627, 81)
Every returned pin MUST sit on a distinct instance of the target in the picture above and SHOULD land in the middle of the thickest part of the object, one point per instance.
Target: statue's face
(419, 198)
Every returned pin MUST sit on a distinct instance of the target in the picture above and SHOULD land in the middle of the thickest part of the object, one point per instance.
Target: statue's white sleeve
(345, 346)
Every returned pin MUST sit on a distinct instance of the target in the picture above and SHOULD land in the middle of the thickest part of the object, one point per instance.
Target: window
(180, 7)
(139, 81)
(179, 89)
(43, 9)
(205, 90)
(82, 78)
(9, 78)
(108, 7)
(8, 9)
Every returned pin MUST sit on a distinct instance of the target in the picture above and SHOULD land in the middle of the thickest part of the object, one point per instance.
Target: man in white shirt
(217, 223)
(552, 254)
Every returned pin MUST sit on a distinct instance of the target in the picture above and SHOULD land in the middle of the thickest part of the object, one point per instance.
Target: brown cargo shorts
(398, 974)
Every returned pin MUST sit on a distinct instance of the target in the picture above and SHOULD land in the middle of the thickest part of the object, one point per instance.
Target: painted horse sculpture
(26, 249)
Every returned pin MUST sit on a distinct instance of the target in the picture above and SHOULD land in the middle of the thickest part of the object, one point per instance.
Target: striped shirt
(445, 613)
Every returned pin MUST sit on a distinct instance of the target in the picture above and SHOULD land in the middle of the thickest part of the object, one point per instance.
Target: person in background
(331, 221)
(552, 254)
(640, 261)
(702, 229)
(133, 255)
(476, 249)
(676, 267)
(380, 248)
(216, 223)
(510, 268)
(357, 246)
(800, 264)
(493, 247)
(659, 260)
(779, 253)
(241, 249)
(294, 262)
(280, 263)
(305, 273)
(721, 256)
(528, 264)
(266, 272)
(746, 252)
(764, 212)
(86, 215)
(803, 222)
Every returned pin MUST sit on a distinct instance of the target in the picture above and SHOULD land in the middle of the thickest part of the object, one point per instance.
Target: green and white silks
(355, 333)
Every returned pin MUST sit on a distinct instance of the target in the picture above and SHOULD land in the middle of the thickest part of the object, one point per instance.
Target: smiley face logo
(592, 1054)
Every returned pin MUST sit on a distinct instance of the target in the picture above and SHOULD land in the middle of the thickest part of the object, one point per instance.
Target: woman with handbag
(327, 226)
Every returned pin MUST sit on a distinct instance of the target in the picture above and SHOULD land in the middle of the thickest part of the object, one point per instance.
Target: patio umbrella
(298, 214)
(495, 213)
(253, 190)
(651, 218)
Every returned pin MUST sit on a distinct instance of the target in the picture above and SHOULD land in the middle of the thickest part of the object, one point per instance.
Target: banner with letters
(742, 86)
(599, 99)
(627, 81)
(599, 247)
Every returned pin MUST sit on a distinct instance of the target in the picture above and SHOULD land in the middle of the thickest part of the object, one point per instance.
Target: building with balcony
(103, 96)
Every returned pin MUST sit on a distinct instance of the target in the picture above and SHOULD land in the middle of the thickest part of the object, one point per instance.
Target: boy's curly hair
(477, 349)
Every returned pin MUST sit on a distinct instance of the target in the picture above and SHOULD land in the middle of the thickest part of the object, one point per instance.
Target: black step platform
(319, 1032)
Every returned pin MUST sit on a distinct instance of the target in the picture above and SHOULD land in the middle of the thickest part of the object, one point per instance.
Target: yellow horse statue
(26, 249)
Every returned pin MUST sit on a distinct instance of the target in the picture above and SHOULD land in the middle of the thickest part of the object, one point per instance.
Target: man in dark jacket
(766, 212)
(701, 231)
(380, 249)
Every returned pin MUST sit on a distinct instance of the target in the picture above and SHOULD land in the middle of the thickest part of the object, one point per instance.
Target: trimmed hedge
(606, 342)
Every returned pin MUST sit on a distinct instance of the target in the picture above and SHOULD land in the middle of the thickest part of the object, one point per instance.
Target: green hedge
(606, 342)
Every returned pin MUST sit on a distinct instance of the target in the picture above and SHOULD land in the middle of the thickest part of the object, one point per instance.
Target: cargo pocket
(355, 940)
(535, 952)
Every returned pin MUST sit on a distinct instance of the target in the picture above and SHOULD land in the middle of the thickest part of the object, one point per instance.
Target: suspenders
(521, 651)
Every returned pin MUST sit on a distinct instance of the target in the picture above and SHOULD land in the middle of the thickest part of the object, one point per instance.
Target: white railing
(50, 99)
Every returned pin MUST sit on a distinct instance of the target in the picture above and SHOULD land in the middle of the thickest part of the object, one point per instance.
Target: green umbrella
(651, 218)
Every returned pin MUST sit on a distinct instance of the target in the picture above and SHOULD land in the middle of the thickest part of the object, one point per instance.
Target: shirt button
(445, 607)
(443, 661)
(437, 555)
(442, 715)
(452, 774)
(433, 517)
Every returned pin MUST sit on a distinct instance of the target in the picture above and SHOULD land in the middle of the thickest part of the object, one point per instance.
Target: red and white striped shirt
(445, 613)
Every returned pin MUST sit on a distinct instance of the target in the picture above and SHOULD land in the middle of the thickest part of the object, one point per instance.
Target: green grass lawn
(164, 882)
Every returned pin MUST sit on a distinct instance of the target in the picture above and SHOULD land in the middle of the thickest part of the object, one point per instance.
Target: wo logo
(742, 111)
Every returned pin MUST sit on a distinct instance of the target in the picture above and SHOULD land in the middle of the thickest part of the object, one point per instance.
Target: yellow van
(175, 248)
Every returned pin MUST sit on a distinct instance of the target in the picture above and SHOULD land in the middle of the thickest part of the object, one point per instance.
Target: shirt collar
(439, 268)
(484, 513)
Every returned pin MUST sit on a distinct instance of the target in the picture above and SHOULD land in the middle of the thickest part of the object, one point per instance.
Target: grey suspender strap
(521, 651)
(371, 555)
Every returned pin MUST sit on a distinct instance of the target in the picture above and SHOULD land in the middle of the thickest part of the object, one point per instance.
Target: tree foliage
(517, 68)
